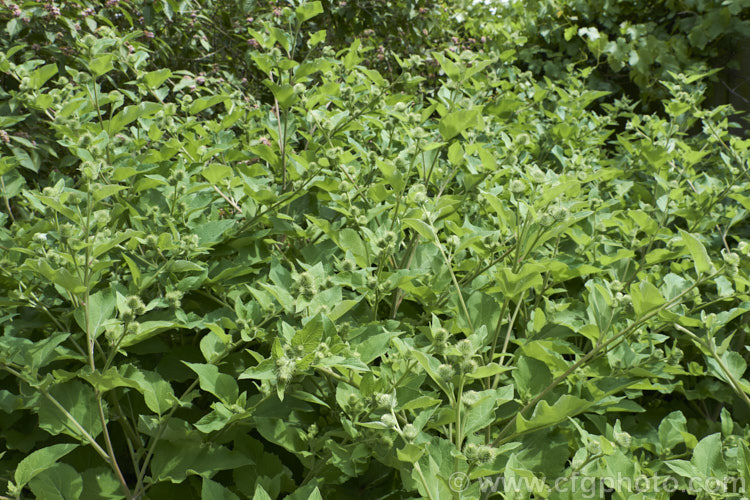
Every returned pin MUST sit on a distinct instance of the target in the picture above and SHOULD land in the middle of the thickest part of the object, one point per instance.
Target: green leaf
(40, 460)
(211, 490)
(454, 123)
(646, 297)
(173, 461)
(708, 458)
(698, 252)
(154, 79)
(40, 75)
(308, 11)
(59, 482)
(206, 102)
(101, 65)
(421, 227)
(260, 494)
(349, 239)
(219, 384)
(101, 308)
(482, 413)
(131, 113)
(546, 415)
(512, 284)
(216, 172)
(79, 400)
(106, 191)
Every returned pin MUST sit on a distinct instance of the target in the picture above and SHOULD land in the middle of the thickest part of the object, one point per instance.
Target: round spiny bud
(174, 298)
(454, 241)
(308, 293)
(464, 347)
(372, 282)
(471, 452)
(546, 220)
(446, 372)
(469, 366)
(285, 370)
(304, 280)
(559, 213)
(623, 439)
(677, 354)
(85, 140)
(134, 328)
(593, 447)
(348, 265)
(384, 401)
(517, 186)
(410, 432)
(440, 335)
(470, 398)
(485, 454)
(389, 420)
(134, 302)
(730, 258)
(353, 402)
(536, 175)
(127, 315)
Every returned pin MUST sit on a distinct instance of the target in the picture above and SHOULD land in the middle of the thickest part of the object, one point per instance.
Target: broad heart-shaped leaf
(157, 393)
(349, 239)
(454, 123)
(698, 252)
(733, 361)
(206, 102)
(482, 413)
(671, 430)
(599, 304)
(512, 284)
(39, 461)
(284, 94)
(646, 297)
(260, 494)
(101, 65)
(173, 461)
(216, 172)
(211, 490)
(59, 482)
(43, 352)
(79, 401)
(307, 492)
(219, 384)
(155, 78)
(310, 336)
(708, 458)
(308, 11)
(40, 75)
(546, 415)
(101, 308)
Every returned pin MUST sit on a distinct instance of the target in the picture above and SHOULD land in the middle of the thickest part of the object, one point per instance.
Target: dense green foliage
(325, 251)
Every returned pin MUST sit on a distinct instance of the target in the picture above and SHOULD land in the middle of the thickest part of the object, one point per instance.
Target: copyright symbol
(458, 481)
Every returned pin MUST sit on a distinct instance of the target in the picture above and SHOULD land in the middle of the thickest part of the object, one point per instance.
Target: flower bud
(446, 372)
(517, 186)
(389, 420)
(623, 439)
(410, 432)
